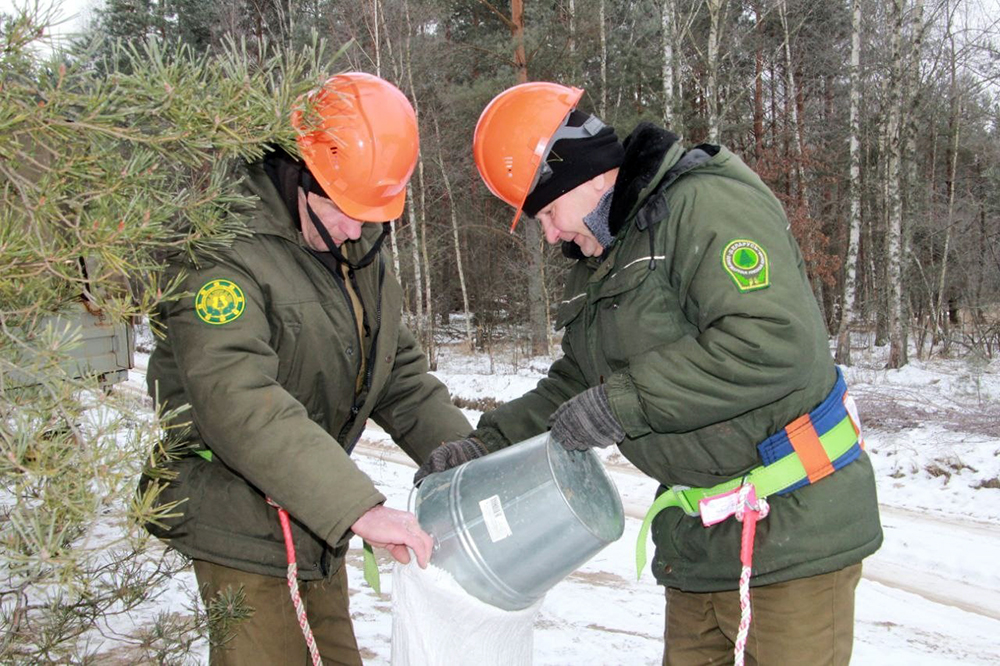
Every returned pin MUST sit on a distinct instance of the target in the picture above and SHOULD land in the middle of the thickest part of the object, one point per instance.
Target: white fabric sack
(437, 623)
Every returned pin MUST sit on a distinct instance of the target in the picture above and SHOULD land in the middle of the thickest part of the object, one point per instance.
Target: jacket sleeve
(251, 423)
(415, 408)
(527, 416)
(752, 347)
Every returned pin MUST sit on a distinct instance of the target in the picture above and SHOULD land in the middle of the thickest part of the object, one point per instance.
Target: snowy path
(951, 561)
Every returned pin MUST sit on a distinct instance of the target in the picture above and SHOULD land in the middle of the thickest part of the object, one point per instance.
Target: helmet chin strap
(307, 183)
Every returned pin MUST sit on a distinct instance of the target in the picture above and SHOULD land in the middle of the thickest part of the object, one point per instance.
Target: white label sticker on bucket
(496, 521)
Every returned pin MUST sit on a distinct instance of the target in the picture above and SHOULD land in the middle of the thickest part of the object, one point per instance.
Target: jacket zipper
(339, 281)
(333, 267)
(372, 351)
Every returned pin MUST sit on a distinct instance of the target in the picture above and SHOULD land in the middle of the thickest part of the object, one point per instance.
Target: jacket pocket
(286, 325)
(210, 495)
(570, 309)
(636, 312)
(632, 274)
(223, 519)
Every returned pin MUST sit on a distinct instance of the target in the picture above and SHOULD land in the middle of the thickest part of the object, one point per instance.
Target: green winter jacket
(698, 369)
(274, 394)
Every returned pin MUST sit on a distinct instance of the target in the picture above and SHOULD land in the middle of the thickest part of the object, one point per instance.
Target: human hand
(586, 421)
(451, 454)
(395, 531)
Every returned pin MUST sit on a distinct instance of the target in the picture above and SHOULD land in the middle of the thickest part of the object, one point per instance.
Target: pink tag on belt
(717, 508)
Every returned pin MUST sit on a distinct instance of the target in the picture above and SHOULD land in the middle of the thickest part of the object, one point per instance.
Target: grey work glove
(585, 421)
(451, 454)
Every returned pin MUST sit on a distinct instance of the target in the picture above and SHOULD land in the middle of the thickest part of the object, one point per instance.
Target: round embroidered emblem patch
(746, 263)
(219, 302)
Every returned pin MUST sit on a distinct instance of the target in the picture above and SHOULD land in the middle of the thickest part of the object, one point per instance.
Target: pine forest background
(874, 122)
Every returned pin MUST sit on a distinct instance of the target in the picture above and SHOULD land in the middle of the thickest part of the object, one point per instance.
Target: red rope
(750, 510)
(293, 584)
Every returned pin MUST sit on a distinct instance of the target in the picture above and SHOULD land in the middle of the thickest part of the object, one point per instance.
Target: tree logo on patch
(746, 263)
(219, 302)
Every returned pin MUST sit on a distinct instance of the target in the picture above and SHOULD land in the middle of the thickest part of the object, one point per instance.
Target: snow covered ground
(931, 595)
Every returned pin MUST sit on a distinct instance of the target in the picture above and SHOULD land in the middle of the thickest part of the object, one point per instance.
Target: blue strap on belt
(833, 413)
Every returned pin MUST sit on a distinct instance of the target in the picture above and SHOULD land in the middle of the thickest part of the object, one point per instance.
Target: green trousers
(271, 635)
(804, 621)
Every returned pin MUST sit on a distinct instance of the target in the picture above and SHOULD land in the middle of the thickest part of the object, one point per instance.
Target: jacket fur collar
(646, 148)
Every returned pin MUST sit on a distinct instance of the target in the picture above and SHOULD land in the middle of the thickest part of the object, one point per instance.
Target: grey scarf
(597, 220)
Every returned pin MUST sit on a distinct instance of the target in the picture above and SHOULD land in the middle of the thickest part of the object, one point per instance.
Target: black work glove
(586, 421)
(451, 454)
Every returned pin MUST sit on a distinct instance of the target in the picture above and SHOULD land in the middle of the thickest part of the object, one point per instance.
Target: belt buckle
(682, 501)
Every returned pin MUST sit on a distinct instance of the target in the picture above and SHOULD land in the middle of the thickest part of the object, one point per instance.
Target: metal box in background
(107, 348)
(107, 345)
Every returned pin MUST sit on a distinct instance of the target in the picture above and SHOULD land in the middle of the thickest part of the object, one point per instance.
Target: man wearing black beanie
(573, 161)
(693, 342)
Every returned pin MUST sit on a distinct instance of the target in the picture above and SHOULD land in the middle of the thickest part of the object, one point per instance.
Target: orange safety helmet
(358, 136)
(514, 134)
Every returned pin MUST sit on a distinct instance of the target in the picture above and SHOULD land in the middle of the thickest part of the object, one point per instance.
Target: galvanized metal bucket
(512, 524)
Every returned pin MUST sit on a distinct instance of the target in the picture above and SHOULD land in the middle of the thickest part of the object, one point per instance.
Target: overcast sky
(71, 15)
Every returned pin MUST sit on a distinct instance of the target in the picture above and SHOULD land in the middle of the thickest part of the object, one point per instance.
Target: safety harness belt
(808, 449)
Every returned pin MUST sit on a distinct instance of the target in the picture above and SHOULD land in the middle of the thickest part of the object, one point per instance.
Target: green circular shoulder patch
(746, 262)
(219, 301)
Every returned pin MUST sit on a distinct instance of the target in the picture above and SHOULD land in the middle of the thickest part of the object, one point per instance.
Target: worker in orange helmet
(290, 340)
(693, 342)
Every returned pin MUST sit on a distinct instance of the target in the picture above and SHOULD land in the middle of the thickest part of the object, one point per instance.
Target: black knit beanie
(574, 162)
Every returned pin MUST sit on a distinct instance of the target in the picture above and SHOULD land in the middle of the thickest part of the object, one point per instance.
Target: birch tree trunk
(843, 354)
(393, 242)
(536, 288)
(894, 259)
(668, 22)
(426, 322)
(454, 235)
(604, 61)
(394, 247)
(427, 325)
(429, 344)
(954, 122)
(711, 85)
(878, 257)
(908, 174)
(418, 280)
(793, 107)
(758, 91)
